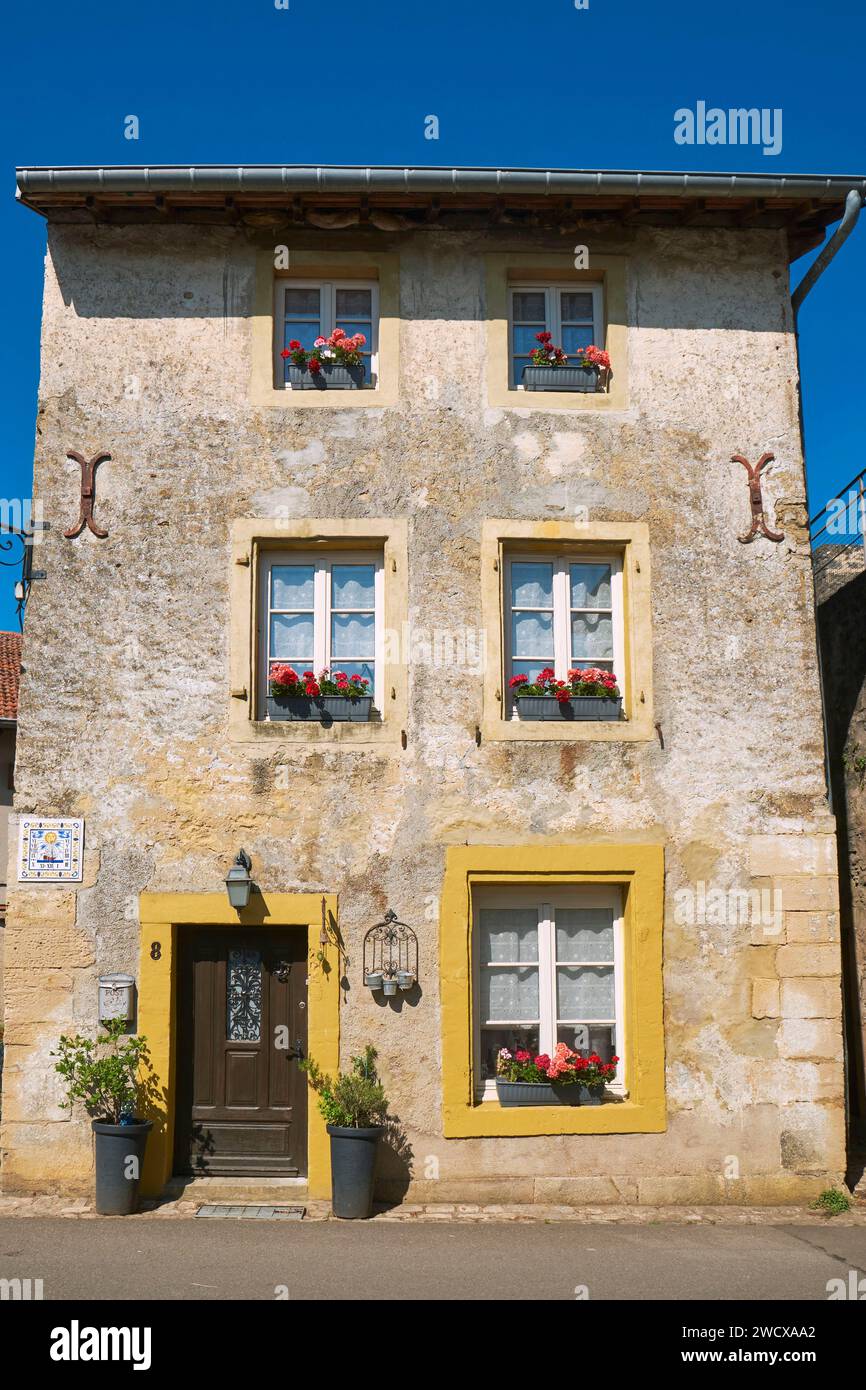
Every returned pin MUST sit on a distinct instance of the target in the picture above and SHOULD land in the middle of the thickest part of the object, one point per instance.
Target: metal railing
(842, 524)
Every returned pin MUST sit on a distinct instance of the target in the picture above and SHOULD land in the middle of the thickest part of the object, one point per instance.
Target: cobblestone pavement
(81, 1208)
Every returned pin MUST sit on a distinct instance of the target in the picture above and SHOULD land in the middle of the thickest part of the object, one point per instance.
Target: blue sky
(513, 83)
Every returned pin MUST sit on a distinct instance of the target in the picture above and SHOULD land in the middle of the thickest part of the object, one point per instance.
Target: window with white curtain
(309, 309)
(547, 968)
(563, 611)
(572, 314)
(319, 610)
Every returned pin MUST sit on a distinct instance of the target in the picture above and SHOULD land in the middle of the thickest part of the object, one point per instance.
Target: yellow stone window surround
(163, 917)
(383, 267)
(389, 537)
(639, 870)
(542, 268)
(628, 539)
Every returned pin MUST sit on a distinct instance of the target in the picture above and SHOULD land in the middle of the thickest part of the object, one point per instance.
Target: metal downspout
(853, 204)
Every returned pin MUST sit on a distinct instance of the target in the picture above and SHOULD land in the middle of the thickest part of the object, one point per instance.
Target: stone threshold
(467, 1213)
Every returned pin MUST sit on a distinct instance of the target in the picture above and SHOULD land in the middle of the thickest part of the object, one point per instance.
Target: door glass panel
(244, 996)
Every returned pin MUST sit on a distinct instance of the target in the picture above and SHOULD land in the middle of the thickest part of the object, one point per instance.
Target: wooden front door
(242, 1013)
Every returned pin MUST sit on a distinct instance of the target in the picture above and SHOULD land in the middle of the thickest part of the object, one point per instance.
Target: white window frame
(553, 316)
(546, 899)
(328, 302)
(322, 562)
(562, 611)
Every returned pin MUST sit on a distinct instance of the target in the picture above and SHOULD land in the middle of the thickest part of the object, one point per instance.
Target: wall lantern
(116, 998)
(238, 880)
(390, 956)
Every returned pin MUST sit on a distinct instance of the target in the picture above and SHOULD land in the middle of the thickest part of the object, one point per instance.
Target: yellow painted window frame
(389, 536)
(163, 918)
(383, 267)
(639, 870)
(631, 541)
(502, 270)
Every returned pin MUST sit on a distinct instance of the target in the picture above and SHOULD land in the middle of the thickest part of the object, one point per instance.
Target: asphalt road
(201, 1259)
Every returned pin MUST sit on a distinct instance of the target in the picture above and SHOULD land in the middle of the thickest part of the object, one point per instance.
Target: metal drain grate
(253, 1213)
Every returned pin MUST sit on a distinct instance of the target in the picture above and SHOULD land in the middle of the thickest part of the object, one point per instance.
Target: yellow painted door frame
(163, 917)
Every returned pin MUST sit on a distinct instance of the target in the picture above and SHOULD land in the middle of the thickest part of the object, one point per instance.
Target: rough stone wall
(124, 697)
(843, 651)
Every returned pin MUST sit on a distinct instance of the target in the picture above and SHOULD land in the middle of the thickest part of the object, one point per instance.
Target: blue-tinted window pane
(591, 637)
(529, 306)
(574, 338)
(352, 635)
(292, 586)
(305, 333)
(517, 368)
(531, 585)
(366, 669)
(590, 586)
(531, 669)
(576, 306)
(524, 340)
(353, 586)
(302, 302)
(532, 635)
(355, 304)
(292, 637)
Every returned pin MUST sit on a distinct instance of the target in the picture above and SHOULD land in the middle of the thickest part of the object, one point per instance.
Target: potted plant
(106, 1077)
(330, 697)
(333, 363)
(566, 1078)
(551, 370)
(588, 693)
(354, 1107)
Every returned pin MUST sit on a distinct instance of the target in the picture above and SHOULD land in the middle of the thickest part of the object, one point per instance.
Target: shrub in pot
(550, 368)
(107, 1076)
(332, 695)
(354, 1107)
(335, 362)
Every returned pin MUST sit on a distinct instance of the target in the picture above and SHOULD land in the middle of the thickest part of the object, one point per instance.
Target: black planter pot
(333, 377)
(353, 1170)
(119, 1161)
(324, 709)
(561, 378)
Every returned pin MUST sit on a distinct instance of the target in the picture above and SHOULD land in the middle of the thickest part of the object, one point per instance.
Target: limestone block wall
(124, 716)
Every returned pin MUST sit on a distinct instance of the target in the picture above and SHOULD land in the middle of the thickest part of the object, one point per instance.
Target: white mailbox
(116, 998)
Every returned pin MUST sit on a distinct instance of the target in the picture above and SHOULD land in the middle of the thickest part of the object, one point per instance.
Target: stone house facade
(661, 887)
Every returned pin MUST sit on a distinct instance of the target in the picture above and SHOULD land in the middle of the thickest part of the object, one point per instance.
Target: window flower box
(333, 697)
(566, 1078)
(332, 364)
(589, 693)
(561, 379)
(325, 710)
(551, 370)
(331, 376)
(516, 1093)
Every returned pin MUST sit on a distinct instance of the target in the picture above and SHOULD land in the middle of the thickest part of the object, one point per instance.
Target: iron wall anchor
(759, 520)
(88, 494)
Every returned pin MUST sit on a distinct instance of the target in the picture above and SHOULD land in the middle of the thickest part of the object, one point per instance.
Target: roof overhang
(396, 198)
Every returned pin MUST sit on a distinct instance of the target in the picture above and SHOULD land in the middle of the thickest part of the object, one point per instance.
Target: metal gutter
(298, 178)
(853, 204)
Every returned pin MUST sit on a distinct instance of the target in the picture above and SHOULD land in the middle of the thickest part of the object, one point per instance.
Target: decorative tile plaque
(51, 850)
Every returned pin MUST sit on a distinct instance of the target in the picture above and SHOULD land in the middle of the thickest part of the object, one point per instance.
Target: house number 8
(155, 951)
